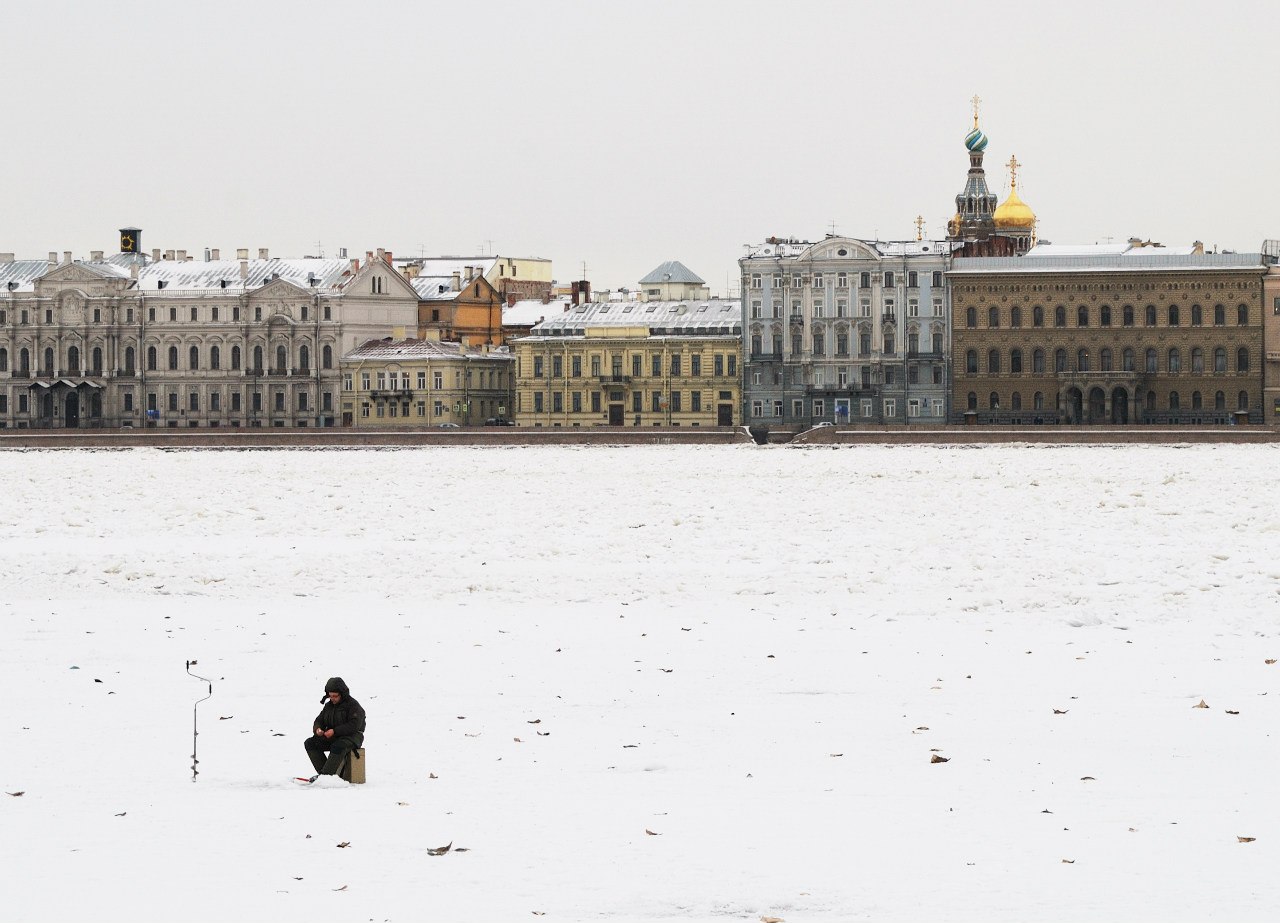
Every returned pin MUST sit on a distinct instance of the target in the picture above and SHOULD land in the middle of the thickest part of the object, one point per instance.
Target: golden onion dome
(953, 226)
(1014, 213)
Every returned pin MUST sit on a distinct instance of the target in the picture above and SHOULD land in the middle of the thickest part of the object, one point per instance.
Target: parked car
(448, 426)
(498, 421)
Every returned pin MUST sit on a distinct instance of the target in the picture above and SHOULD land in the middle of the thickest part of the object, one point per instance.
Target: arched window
(1059, 316)
(1015, 361)
(173, 357)
(1175, 402)
(215, 357)
(971, 317)
(888, 279)
(1151, 315)
(1128, 315)
(993, 317)
(1015, 401)
(48, 361)
(4, 359)
(1219, 315)
(1037, 362)
(151, 358)
(257, 358)
(1173, 315)
(1151, 400)
(1219, 360)
(1197, 315)
(326, 355)
(282, 359)
(1082, 360)
(235, 358)
(971, 362)
(1126, 359)
(1037, 401)
(96, 360)
(1082, 316)
(1197, 401)
(1015, 317)
(24, 361)
(1175, 361)
(973, 400)
(129, 359)
(1242, 359)
(1105, 315)
(1104, 360)
(1242, 400)
(1060, 360)
(1219, 401)
(73, 359)
(1242, 316)
(1152, 362)
(304, 357)
(193, 358)
(1037, 316)
(993, 362)
(993, 401)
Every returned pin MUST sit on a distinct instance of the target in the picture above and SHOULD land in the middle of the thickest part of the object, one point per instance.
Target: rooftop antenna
(833, 227)
(422, 251)
(195, 718)
(319, 249)
(584, 269)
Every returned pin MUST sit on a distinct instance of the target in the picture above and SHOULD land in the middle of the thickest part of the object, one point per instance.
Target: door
(1097, 405)
(347, 418)
(724, 415)
(615, 414)
(1119, 406)
(842, 410)
(71, 410)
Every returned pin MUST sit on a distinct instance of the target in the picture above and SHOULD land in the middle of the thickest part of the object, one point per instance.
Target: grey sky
(625, 134)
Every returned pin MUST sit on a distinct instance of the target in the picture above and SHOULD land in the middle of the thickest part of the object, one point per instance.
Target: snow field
(830, 619)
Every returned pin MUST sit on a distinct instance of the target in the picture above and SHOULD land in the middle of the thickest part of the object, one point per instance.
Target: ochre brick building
(1116, 334)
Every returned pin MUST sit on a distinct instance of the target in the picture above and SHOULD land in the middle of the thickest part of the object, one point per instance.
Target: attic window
(651, 309)
(439, 289)
(842, 252)
(701, 309)
(628, 309)
(604, 310)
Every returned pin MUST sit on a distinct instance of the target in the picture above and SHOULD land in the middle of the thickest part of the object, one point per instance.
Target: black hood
(335, 684)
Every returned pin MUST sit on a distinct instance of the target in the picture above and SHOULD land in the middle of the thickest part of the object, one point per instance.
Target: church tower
(979, 227)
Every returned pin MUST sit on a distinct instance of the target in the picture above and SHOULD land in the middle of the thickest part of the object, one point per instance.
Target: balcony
(300, 373)
(615, 379)
(888, 319)
(924, 353)
(21, 373)
(278, 372)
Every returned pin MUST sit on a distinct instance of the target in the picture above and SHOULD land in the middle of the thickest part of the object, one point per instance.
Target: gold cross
(1013, 171)
(919, 227)
(977, 100)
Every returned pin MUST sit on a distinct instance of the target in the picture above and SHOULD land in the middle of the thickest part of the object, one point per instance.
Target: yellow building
(632, 364)
(418, 383)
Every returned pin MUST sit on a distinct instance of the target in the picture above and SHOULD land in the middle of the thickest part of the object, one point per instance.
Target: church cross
(977, 100)
(919, 227)
(1013, 171)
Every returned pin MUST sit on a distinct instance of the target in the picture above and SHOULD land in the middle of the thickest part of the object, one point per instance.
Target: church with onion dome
(980, 227)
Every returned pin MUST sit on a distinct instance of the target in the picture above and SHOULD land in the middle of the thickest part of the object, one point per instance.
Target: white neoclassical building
(169, 341)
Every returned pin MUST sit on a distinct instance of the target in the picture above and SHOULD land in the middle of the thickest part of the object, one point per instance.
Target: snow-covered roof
(434, 288)
(672, 271)
(410, 349)
(1147, 259)
(20, 275)
(202, 275)
(448, 265)
(774, 248)
(689, 318)
(530, 311)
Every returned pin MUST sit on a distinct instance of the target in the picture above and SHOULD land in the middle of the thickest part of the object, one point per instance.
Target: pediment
(278, 290)
(70, 274)
(830, 249)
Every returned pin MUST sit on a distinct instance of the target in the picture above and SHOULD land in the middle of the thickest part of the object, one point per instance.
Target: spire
(976, 205)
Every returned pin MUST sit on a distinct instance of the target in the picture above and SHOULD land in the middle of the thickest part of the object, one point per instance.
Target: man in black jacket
(339, 728)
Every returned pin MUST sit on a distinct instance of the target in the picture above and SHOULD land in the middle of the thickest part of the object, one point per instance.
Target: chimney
(181, 255)
(242, 253)
(244, 269)
(546, 297)
(95, 256)
(511, 299)
(6, 257)
(168, 254)
(355, 265)
(382, 254)
(133, 271)
(53, 256)
(263, 253)
(155, 255)
(457, 281)
(215, 254)
(66, 256)
(390, 258)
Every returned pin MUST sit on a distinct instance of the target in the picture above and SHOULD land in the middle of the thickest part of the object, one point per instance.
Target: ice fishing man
(338, 729)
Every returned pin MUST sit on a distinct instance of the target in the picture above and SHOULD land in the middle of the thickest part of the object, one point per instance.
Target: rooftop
(1139, 260)
(672, 271)
(716, 317)
(419, 349)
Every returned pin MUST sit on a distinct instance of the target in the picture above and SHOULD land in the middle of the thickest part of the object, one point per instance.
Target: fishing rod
(195, 718)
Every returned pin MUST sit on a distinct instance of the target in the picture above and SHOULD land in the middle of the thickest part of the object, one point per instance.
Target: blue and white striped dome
(975, 140)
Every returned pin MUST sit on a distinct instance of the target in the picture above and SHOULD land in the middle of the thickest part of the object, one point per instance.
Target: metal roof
(420, 349)
(672, 271)
(20, 275)
(1135, 261)
(203, 275)
(715, 317)
(531, 311)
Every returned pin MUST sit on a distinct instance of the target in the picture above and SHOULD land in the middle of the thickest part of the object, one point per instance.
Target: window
(656, 361)
(993, 317)
(864, 280)
(1015, 317)
(675, 366)
(1059, 316)
(1197, 400)
(173, 401)
(1242, 359)
(193, 358)
(1173, 315)
(797, 344)
(819, 344)
(1127, 315)
(257, 358)
(1219, 401)
(595, 401)
(1219, 360)
(1037, 401)
(971, 317)
(695, 401)
(676, 401)
(1037, 316)
(537, 367)
(129, 359)
(280, 401)
(1151, 315)
(557, 398)
(993, 362)
(937, 280)
(656, 397)
(173, 357)
(575, 402)
(1242, 317)
(1037, 361)
(173, 314)
(1015, 361)
(888, 279)
(1175, 361)
(1175, 402)
(777, 408)
(1082, 360)
(128, 401)
(1104, 315)
(1197, 318)
(757, 408)
(1060, 360)
(1104, 363)
(437, 380)
(1152, 363)
(1242, 400)
(575, 366)
(557, 366)
(971, 362)
(913, 280)
(1219, 315)
(637, 402)
(864, 344)
(326, 357)
(888, 341)
(937, 307)
(1127, 361)
(1197, 359)
(864, 307)
(193, 401)
(971, 402)
(282, 359)
(993, 401)
(756, 344)
(537, 401)
(890, 408)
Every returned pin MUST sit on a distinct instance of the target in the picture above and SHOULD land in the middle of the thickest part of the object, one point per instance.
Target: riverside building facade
(170, 341)
(845, 331)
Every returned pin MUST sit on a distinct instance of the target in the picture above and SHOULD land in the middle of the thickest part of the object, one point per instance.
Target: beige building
(170, 341)
(632, 364)
(1119, 334)
(523, 277)
(412, 383)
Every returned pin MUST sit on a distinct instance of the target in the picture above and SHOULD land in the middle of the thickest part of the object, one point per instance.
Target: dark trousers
(338, 748)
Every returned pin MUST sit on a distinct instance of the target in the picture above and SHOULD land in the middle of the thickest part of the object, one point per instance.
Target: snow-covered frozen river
(645, 683)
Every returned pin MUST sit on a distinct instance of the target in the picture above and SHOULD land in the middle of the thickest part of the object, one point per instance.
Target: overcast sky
(625, 134)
